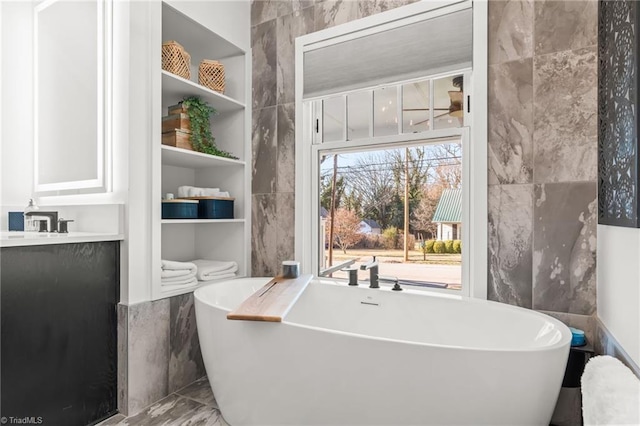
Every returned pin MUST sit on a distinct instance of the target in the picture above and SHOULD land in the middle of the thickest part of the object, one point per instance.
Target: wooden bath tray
(273, 301)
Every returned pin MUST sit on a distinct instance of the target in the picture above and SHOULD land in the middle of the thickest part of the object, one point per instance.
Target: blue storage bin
(215, 208)
(179, 209)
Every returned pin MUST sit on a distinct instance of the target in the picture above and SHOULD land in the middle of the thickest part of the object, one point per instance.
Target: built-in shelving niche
(221, 239)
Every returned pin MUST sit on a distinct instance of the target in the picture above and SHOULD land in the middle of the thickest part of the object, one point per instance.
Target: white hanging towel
(214, 269)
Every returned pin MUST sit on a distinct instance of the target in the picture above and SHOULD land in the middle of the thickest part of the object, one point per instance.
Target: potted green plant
(199, 113)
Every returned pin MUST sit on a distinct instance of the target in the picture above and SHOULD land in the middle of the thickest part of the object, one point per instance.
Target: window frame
(473, 136)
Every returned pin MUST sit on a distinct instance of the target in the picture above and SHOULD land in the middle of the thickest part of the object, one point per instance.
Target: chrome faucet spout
(51, 216)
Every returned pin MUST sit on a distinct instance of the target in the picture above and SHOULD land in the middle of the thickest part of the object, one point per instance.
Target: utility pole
(406, 204)
(332, 214)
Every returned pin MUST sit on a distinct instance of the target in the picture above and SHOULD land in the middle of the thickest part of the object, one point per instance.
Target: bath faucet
(51, 216)
(373, 272)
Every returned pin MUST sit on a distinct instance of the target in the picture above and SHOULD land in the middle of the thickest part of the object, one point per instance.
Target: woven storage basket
(211, 75)
(175, 59)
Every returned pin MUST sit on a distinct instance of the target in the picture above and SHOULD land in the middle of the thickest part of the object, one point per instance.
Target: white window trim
(474, 156)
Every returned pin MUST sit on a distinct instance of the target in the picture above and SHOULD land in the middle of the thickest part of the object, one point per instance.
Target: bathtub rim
(565, 339)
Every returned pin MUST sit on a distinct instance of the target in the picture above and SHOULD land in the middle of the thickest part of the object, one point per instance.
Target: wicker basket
(176, 60)
(211, 75)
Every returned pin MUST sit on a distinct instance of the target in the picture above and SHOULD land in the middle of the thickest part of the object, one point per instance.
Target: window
(397, 193)
(423, 73)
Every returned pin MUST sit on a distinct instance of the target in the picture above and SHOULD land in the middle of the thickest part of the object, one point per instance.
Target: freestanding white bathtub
(359, 356)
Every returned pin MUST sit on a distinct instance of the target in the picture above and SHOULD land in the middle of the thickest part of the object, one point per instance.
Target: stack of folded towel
(214, 269)
(177, 275)
(194, 191)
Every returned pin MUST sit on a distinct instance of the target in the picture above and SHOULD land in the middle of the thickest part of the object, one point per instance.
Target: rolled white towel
(610, 393)
(211, 269)
(172, 265)
(183, 191)
(192, 282)
(210, 192)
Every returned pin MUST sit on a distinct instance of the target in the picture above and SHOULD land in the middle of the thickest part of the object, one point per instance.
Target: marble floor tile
(564, 247)
(175, 410)
(200, 391)
(112, 421)
(510, 30)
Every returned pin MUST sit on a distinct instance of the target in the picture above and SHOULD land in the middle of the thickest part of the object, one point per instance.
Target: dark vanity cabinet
(59, 332)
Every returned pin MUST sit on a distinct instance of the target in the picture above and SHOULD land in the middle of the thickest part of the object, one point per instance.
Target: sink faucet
(51, 216)
(373, 272)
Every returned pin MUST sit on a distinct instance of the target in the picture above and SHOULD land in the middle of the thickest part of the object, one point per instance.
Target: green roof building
(448, 215)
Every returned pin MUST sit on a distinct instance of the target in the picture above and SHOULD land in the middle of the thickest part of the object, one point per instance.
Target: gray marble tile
(565, 116)
(290, 26)
(123, 353)
(113, 420)
(185, 363)
(586, 323)
(199, 391)
(285, 204)
(264, 10)
(371, 7)
(175, 410)
(264, 146)
(510, 30)
(148, 353)
(264, 50)
(329, 13)
(286, 148)
(510, 121)
(564, 247)
(291, 6)
(264, 262)
(565, 25)
(510, 235)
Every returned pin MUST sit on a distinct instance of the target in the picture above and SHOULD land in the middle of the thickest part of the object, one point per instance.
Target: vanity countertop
(16, 239)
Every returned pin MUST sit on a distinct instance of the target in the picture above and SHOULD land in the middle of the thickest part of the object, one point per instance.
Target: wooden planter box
(177, 138)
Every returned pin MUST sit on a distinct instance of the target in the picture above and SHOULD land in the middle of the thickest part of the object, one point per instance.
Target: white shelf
(178, 157)
(198, 40)
(176, 88)
(183, 221)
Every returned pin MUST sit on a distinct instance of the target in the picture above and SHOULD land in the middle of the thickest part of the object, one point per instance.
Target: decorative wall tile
(510, 233)
(264, 10)
(371, 7)
(565, 116)
(286, 148)
(185, 362)
(289, 27)
(510, 30)
(329, 13)
(510, 121)
(286, 226)
(263, 44)
(264, 146)
(123, 361)
(264, 242)
(148, 364)
(564, 25)
(564, 248)
(291, 6)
